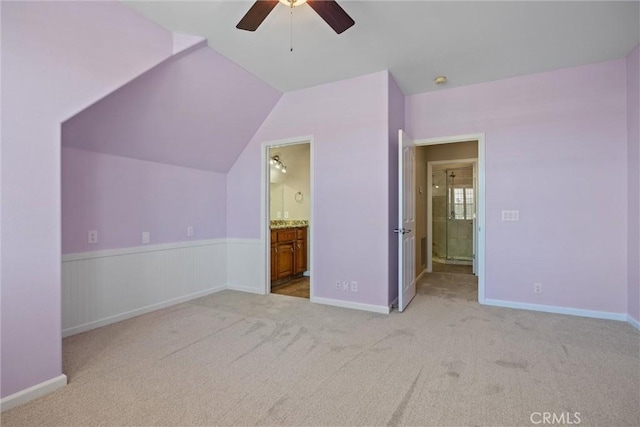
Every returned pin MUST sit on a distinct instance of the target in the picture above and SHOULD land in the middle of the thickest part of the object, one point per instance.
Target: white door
(406, 222)
(475, 218)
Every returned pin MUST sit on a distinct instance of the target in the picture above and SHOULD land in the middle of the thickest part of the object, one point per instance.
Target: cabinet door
(285, 259)
(274, 262)
(301, 256)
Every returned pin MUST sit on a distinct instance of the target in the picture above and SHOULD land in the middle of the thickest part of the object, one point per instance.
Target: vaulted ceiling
(469, 42)
(197, 110)
(200, 109)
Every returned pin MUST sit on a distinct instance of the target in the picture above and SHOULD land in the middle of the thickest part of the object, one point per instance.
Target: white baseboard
(137, 312)
(33, 392)
(349, 304)
(557, 310)
(422, 273)
(634, 322)
(248, 289)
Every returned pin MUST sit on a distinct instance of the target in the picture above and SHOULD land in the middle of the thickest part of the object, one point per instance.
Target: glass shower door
(460, 214)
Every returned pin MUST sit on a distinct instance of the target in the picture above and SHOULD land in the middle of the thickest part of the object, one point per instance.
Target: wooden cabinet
(288, 253)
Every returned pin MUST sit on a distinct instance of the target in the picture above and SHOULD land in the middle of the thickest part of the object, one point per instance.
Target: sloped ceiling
(196, 110)
(468, 41)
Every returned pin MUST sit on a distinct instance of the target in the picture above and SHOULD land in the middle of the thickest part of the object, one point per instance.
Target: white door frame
(472, 161)
(265, 226)
(480, 207)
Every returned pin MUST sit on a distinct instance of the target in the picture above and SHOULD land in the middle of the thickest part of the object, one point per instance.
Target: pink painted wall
(633, 191)
(556, 149)
(58, 57)
(349, 123)
(196, 110)
(396, 122)
(122, 197)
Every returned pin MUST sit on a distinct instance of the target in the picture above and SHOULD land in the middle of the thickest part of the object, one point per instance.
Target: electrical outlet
(190, 230)
(146, 237)
(93, 236)
(338, 285)
(354, 286)
(537, 288)
(345, 286)
(511, 215)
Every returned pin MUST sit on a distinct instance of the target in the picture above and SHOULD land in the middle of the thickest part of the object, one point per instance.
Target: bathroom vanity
(288, 252)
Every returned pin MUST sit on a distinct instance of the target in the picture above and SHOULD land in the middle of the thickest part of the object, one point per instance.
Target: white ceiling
(469, 42)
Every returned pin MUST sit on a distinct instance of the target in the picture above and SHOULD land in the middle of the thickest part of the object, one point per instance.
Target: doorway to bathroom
(289, 214)
(448, 205)
(453, 214)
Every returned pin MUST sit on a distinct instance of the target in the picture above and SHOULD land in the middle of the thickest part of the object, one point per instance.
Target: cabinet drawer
(286, 235)
(301, 233)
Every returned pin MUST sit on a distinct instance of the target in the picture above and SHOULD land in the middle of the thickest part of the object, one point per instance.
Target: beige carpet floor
(242, 359)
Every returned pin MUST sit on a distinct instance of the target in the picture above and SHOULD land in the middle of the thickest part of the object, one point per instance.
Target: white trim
(450, 139)
(264, 215)
(33, 392)
(141, 249)
(422, 273)
(353, 305)
(246, 289)
(633, 322)
(480, 137)
(242, 241)
(137, 312)
(557, 309)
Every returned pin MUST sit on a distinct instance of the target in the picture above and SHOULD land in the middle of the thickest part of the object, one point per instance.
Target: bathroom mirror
(276, 190)
(289, 182)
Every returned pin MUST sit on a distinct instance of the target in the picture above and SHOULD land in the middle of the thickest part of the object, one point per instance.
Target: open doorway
(289, 214)
(450, 214)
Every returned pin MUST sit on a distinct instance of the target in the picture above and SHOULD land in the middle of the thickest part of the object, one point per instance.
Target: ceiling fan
(329, 10)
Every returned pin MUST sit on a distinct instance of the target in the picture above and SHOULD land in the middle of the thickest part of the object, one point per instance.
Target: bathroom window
(462, 203)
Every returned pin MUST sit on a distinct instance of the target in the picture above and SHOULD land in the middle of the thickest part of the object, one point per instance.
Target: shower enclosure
(453, 214)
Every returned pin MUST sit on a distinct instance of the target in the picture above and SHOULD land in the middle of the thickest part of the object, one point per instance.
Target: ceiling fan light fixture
(293, 3)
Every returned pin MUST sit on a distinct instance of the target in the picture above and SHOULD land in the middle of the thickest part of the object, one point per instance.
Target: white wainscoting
(104, 287)
(246, 265)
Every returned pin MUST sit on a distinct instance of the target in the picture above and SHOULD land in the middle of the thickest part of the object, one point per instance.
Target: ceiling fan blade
(258, 12)
(333, 14)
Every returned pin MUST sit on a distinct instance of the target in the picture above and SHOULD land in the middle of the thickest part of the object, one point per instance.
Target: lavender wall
(196, 110)
(58, 57)
(121, 197)
(349, 123)
(396, 122)
(633, 190)
(556, 150)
